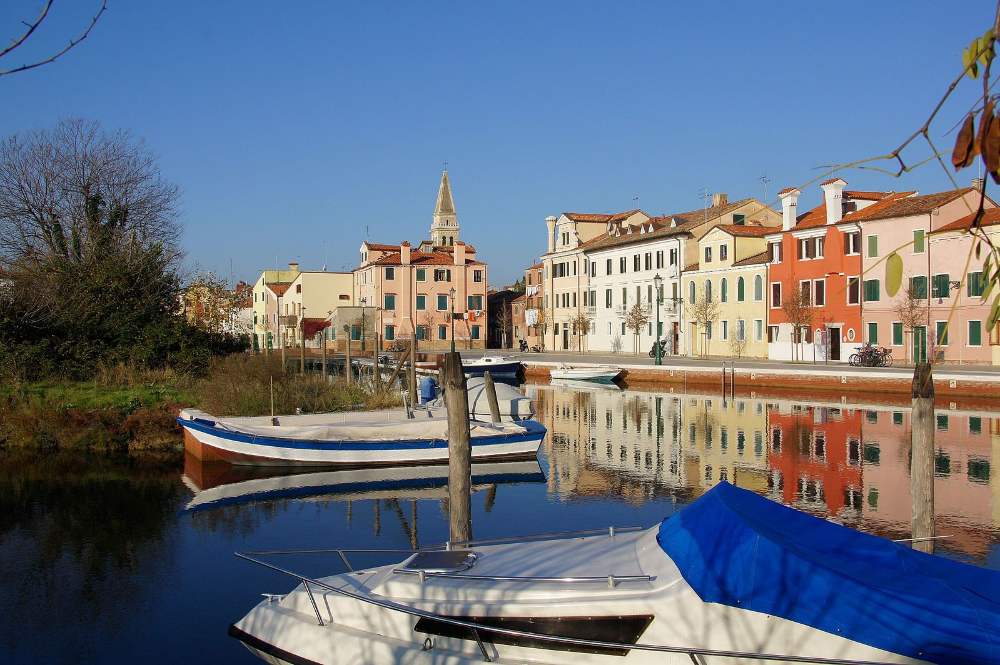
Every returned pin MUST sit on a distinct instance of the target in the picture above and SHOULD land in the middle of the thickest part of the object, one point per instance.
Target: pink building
(415, 291)
(932, 280)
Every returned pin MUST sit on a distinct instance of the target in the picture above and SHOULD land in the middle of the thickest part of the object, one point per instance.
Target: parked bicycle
(663, 349)
(871, 356)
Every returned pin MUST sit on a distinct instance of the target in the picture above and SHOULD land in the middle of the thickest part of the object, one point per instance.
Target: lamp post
(363, 301)
(451, 295)
(657, 285)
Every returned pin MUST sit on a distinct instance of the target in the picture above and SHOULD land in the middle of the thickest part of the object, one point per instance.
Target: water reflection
(848, 462)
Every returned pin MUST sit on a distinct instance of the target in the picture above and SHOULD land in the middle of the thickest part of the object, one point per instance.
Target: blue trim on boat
(535, 432)
(510, 369)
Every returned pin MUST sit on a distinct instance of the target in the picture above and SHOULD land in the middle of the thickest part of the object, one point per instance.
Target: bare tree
(738, 342)
(635, 320)
(502, 323)
(208, 303)
(29, 31)
(540, 326)
(581, 327)
(704, 313)
(911, 312)
(799, 312)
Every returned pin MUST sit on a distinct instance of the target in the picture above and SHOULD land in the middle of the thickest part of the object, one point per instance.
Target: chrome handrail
(610, 579)
(476, 628)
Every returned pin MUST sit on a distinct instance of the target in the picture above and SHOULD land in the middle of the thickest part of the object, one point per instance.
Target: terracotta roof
(816, 217)
(863, 196)
(756, 259)
(748, 231)
(831, 181)
(520, 297)
(599, 217)
(788, 189)
(605, 240)
(279, 288)
(904, 205)
(422, 259)
(381, 246)
(700, 216)
(537, 266)
(991, 217)
(690, 268)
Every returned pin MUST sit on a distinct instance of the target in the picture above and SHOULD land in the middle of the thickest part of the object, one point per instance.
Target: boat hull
(593, 375)
(507, 370)
(207, 442)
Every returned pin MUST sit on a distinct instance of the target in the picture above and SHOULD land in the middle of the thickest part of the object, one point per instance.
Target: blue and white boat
(498, 367)
(357, 439)
(732, 578)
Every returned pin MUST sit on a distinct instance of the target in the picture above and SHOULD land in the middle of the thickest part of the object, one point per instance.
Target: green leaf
(990, 283)
(893, 273)
(986, 42)
(979, 249)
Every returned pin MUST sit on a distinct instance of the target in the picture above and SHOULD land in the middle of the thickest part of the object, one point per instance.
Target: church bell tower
(444, 228)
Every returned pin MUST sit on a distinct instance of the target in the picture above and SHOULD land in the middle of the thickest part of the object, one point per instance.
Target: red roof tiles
(991, 217)
(756, 259)
(751, 231)
(279, 288)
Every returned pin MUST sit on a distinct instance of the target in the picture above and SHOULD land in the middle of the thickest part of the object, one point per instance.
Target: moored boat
(733, 577)
(497, 366)
(595, 373)
(370, 438)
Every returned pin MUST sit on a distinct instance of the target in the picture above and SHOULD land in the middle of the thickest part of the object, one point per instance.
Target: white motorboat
(497, 366)
(365, 438)
(732, 578)
(512, 403)
(595, 373)
(584, 385)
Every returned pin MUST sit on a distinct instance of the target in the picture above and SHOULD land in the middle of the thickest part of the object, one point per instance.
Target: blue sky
(292, 127)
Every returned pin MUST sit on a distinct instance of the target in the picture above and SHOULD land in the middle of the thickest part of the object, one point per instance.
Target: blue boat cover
(740, 549)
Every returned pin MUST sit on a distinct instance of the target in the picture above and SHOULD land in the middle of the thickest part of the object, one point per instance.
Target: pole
(413, 371)
(453, 324)
(348, 372)
(922, 457)
(376, 366)
(459, 451)
(491, 396)
(323, 353)
(281, 339)
(302, 344)
(659, 358)
(272, 395)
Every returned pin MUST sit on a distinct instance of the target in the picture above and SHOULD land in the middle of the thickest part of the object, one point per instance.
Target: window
(975, 333)
(636, 264)
(941, 333)
(421, 274)
(811, 248)
(853, 290)
(421, 302)
(872, 246)
(624, 296)
(592, 300)
(897, 333)
(942, 423)
(739, 219)
(442, 302)
(389, 302)
(723, 252)
(607, 266)
(708, 290)
(852, 243)
(819, 287)
(724, 333)
(918, 241)
(648, 261)
(355, 331)
(975, 285)
(975, 425)
(939, 286)
(475, 332)
(775, 294)
(421, 333)
(708, 255)
(820, 246)
(442, 275)
(775, 251)
(758, 288)
(390, 333)
(740, 290)
(918, 287)
(659, 259)
(805, 291)
(298, 288)
(872, 332)
(477, 276)
(442, 332)
(871, 290)
(621, 265)
(673, 257)
(390, 273)
(758, 330)
(724, 290)
(691, 293)
(607, 298)
(593, 268)
(741, 330)
(772, 334)
(474, 302)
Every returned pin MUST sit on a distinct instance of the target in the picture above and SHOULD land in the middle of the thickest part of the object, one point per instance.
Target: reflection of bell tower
(444, 228)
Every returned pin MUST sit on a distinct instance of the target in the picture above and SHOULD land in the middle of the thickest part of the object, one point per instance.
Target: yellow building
(725, 307)
(266, 291)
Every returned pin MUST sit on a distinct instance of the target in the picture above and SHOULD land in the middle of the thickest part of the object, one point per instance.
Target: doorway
(919, 350)
(675, 338)
(565, 338)
(834, 336)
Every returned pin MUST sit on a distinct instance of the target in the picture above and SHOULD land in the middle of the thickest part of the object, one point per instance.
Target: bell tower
(444, 228)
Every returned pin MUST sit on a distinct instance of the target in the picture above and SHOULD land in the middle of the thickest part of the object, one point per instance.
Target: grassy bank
(127, 409)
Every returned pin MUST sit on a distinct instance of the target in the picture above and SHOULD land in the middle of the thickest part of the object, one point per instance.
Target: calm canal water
(111, 561)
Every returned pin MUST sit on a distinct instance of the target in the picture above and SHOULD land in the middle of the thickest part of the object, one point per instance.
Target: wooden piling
(413, 372)
(323, 333)
(491, 396)
(348, 372)
(922, 458)
(456, 401)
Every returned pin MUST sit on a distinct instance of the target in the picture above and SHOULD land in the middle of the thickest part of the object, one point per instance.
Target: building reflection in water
(847, 462)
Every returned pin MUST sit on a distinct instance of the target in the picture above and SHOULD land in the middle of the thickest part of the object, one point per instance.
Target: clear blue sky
(293, 126)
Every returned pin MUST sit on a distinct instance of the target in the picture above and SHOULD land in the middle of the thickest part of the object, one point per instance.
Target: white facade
(623, 275)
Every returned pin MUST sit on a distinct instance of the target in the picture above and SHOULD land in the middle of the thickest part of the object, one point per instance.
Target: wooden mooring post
(323, 342)
(348, 371)
(456, 401)
(491, 396)
(412, 374)
(922, 458)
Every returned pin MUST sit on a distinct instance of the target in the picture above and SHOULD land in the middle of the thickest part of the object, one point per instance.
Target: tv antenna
(763, 181)
(705, 196)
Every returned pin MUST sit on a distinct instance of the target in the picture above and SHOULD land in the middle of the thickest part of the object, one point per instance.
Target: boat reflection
(218, 484)
(848, 462)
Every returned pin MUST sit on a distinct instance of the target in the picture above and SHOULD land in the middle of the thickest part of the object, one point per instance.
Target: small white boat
(732, 578)
(591, 386)
(366, 438)
(595, 373)
(497, 366)
(512, 403)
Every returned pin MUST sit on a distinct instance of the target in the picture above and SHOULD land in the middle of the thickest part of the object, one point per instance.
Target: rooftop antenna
(445, 165)
(367, 236)
(635, 202)
(763, 181)
(705, 196)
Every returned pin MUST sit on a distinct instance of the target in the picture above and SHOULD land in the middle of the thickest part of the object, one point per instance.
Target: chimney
(789, 206)
(404, 253)
(833, 196)
(293, 266)
(459, 253)
(719, 199)
(550, 224)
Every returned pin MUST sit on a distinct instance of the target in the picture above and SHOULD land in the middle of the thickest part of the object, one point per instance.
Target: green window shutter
(872, 246)
(873, 332)
(942, 333)
(421, 302)
(390, 333)
(475, 332)
(897, 334)
(918, 241)
(975, 286)
(740, 289)
(918, 287)
(390, 302)
(421, 274)
(939, 286)
(871, 290)
(442, 302)
(975, 333)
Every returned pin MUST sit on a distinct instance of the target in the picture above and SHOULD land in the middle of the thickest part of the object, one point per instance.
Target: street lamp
(363, 302)
(451, 294)
(658, 285)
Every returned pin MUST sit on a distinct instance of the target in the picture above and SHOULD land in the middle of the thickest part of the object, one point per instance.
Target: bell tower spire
(444, 228)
